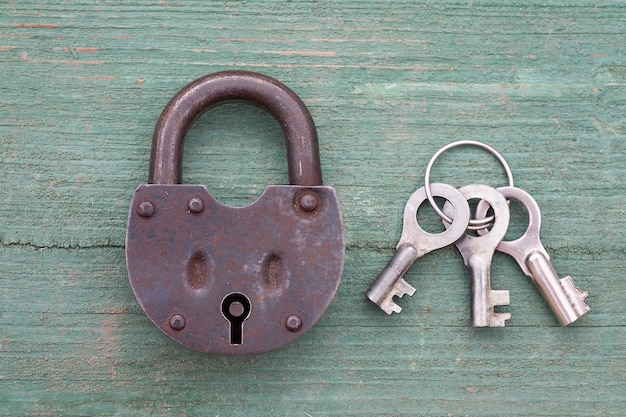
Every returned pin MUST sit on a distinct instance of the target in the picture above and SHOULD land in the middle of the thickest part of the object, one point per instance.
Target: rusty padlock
(235, 280)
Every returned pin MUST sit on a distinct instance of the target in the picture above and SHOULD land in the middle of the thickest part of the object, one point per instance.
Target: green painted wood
(388, 84)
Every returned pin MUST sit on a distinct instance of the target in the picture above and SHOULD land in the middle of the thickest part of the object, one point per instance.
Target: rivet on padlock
(235, 280)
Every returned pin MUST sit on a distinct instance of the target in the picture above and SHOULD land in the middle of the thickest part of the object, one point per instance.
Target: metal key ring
(473, 224)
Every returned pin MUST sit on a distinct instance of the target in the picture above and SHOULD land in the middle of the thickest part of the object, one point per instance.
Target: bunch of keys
(564, 298)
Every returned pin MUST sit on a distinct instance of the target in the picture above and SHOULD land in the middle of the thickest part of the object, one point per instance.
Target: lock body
(234, 280)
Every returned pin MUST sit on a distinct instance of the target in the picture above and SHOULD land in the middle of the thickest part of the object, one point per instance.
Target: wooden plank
(387, 84)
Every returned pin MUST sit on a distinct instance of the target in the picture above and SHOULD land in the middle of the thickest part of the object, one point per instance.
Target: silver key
(415, 243)
(478, 252)
(565, 299)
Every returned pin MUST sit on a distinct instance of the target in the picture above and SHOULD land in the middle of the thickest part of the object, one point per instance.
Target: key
(564, 298)
(415, 243)
(477, 254)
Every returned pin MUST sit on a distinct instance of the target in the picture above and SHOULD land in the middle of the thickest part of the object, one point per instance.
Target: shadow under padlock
(235, 280)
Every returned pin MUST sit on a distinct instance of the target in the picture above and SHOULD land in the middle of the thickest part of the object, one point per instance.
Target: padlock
(235, 280)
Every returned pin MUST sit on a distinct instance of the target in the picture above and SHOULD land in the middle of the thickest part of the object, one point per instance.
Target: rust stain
(95, 361)
(36, 25)
(83, 62)
(109, 339)
(6, 48)
(109, 342)
(362, 40)
(304, 53)
(52, 61)
(87, 50)
(116, 310)
(15, 36)
(338, 66)
(83, 50)
(100, 78)
(517, 86)
(598, 55)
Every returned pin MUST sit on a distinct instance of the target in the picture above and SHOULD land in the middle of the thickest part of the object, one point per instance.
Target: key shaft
(477, 252)
(564, 298)
(415, 243)
(390, 283)
(483, 297)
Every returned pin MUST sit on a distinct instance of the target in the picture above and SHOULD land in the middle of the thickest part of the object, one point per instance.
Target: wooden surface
(388, 83)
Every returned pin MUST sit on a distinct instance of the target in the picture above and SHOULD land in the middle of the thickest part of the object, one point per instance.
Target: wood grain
(388, 83)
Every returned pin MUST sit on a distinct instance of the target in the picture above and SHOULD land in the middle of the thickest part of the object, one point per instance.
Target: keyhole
(236, 309)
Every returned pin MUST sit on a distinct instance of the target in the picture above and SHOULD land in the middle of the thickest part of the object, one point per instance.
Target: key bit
(390, 282)
(477, 254)
(415, 243)
(564, 298)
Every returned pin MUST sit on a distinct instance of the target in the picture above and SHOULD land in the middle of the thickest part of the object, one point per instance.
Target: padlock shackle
(166, 166)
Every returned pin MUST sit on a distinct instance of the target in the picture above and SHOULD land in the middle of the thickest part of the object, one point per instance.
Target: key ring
(474, 224)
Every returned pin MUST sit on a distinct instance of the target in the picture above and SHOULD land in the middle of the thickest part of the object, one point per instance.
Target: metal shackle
(188, 104)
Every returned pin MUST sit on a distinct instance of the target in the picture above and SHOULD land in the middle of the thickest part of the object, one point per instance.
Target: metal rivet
(294, 323)
(196, 205)
(177, 322)
(308, 201)
(145, 209)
